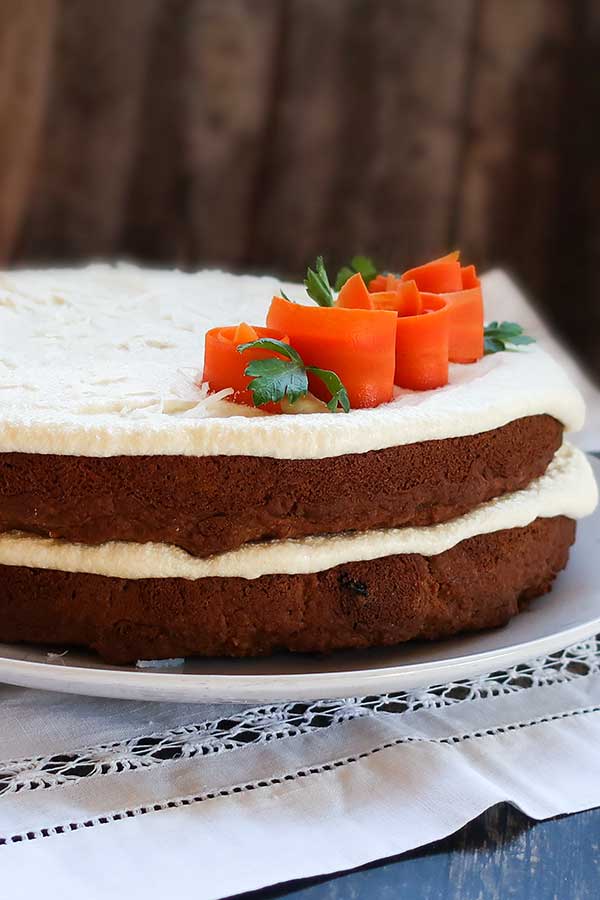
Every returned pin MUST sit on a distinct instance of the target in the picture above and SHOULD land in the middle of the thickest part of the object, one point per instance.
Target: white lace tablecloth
(103, 798)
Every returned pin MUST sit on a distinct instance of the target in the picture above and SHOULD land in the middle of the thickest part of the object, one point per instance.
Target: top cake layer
(106, 361)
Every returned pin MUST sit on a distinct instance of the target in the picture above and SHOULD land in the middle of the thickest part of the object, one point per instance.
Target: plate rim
(284, 686)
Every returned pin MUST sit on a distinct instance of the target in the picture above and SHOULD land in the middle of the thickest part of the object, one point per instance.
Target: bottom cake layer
(479, 583)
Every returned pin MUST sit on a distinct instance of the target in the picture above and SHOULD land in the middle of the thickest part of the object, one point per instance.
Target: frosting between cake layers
(567, 488)
(105, 361)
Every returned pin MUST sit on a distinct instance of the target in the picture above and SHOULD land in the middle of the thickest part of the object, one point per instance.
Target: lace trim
(290, 776)
(275, 722)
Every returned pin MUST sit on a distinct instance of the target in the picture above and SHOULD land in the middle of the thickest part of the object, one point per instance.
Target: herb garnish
(273, 379)
(317, 284)
(362, 264)
(497, 336)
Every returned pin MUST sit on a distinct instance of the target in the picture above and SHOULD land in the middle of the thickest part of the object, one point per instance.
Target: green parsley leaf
(339, 394)
(492, 345)
(317, 284)
(284, 295)
(498, 335)
(342, 277)
(275, 346)
(508, 329)
(521, 339)
(274, 378)
(365, 266)
(362, 264)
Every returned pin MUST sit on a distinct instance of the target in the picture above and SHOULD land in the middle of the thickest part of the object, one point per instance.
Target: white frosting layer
(567, 488)
(104, 361)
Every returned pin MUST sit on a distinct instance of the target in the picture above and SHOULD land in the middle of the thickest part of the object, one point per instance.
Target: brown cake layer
(477, 584)
(210, 504)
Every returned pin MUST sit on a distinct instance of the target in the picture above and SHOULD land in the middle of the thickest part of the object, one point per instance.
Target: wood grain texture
(26, 34)
(500, 855)
(510, 169)
(232, 50)
(365, 134)
(204, 109)
(92, 125)
(403, 208)
(528, 192)
(255, 134)
(301, 150)
(573, 286)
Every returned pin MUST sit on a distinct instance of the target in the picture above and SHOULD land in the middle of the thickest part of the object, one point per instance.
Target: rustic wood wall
(258, 133)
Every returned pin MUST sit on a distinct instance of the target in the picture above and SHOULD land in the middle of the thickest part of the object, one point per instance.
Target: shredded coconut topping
(105, 361)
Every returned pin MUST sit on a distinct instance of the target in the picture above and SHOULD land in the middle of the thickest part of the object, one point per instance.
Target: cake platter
(570, 612)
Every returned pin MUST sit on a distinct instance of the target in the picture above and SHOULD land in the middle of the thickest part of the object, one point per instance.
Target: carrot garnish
(466, 325)
(422, 346)
(357, 344)
(224, 367)
(405, 298)
(378, 284)
(354, 294)
(438, 276)
(461, 287)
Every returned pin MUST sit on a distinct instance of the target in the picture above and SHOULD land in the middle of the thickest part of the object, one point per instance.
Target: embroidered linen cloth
(101, 797)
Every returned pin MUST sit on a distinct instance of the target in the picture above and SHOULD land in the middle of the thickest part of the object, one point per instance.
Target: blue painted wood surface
(500, 855)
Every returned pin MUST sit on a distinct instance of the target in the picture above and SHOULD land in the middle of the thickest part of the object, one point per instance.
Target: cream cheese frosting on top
(567, 488)
(106, 361)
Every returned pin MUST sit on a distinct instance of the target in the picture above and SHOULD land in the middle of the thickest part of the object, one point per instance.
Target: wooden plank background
(257, 133)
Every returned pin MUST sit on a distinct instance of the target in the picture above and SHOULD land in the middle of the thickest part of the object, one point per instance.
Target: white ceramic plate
(569, 613)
